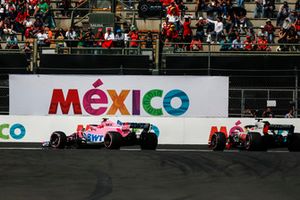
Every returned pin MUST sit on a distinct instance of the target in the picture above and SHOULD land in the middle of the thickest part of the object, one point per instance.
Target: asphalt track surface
(166, 174)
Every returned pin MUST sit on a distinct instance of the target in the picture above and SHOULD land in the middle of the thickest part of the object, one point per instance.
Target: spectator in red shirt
(196, 44)
(134, 37)
(173, 8)
(248, 44)
(297, 27)
(270, 30)
(262, 43)
(187, 30)
(165, 27)
(172, 33)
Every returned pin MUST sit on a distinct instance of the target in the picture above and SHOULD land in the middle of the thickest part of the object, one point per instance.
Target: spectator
(173, 9)
(32, 6)
(262, 43)
(258, 11)
(59, 38)
(187, 31)
(228, 24)
(60, 32)
(49, 33)
(71, 35)
(28, 22)
(248, 44)
(292, 38)
(88, 38)
(38, 24)
(268, 8)
(282, 39)
(42, 38)
(149, 40)
(134, 37)
(293, 16)
(12, 42)
(21, 17)
(196, 44)
(218, 28)
(200, 8)
(181, 7)
(27, 50)
(268, 113)
(269, 29)
(172, 16)
(290, 114)
(283, 13)
(65, 5)
(8, 29)
(109, 38)
(232, 35)
(287, 24)
(237, 44)
(119, 38)
(42, 10)
(172, 34)
(261, 31)
(200, 29)
(225, 45)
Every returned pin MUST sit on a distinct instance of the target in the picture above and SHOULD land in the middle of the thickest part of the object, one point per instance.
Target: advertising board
(148, 96)
(171, 130)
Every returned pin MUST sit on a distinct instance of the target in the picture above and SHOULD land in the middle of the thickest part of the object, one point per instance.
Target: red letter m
(58, 98)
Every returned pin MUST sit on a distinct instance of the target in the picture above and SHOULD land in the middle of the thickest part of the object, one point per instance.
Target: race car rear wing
(145, 126)
(289, 128)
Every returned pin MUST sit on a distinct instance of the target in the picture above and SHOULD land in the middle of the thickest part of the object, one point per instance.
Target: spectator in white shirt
(218, 28)
(42, 38)
(109, 35)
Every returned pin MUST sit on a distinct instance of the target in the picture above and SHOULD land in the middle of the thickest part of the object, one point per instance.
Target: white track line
(21, 148)
(160, 150)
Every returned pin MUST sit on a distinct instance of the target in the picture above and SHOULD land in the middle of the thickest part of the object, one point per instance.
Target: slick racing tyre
(218, 141)
(112, 140)
(58, 140)
(130, 139)
(148, 141)
(254, 142)
(294, 142)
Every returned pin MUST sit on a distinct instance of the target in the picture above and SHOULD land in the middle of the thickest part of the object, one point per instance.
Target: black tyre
(58, 140)
(112, 140)
(218, 141)
(148, 141)
(294, 142)
(255, 142)
(130, 139)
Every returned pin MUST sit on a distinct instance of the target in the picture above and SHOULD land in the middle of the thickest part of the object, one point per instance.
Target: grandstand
(256, 75)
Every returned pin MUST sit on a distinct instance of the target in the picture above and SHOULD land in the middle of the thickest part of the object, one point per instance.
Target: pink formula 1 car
(111, 135)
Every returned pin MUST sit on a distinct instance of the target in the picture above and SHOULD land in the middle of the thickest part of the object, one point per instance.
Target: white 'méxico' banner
(170, 96)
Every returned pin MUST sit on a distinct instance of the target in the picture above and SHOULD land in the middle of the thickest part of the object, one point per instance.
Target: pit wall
(183, 131)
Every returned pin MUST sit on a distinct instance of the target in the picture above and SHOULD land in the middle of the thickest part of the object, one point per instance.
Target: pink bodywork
(103, 128)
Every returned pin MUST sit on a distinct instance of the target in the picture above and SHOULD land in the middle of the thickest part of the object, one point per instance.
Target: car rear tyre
(130, 139)
(218, 141)
(254, 142)
(58, 140)
(294, 142)
(148, 141)
(112, 140)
